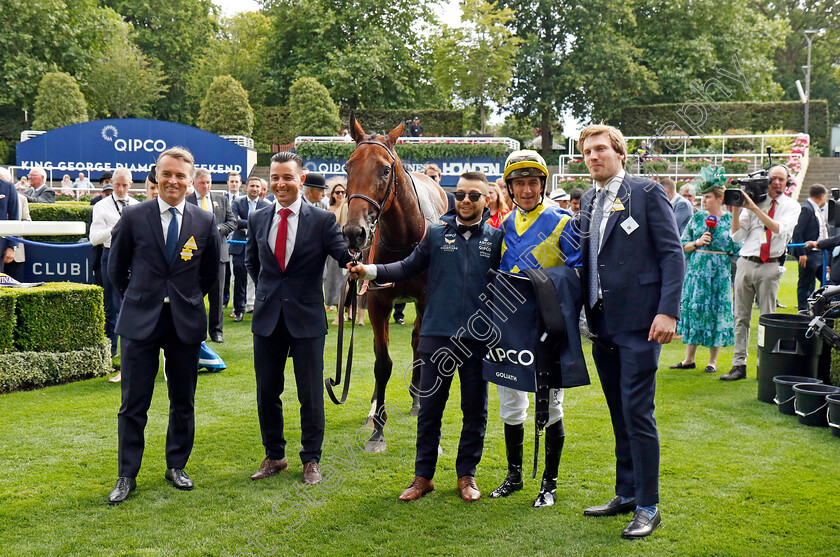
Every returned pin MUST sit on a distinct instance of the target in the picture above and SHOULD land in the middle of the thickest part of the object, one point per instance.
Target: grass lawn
(737, 477)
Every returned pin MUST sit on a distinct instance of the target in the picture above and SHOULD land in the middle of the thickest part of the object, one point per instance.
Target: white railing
(240, 140)
(512, 144)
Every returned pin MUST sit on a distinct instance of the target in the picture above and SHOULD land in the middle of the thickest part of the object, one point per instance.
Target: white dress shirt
(291, 230)
(106, 213)
(822, 216)
(753, 234)
(612, 193)
(166, 216)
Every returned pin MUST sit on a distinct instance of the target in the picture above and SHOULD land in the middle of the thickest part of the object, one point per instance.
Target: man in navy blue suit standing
(633, 269)
(164, 259)
(288, 244)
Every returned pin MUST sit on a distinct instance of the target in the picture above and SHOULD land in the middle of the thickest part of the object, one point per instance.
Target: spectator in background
(234, 182)
(39, 191)
(82, 184)
(104, 181)
(243, 285)
(263, 191)
(574, 200)
(8, 211)
(433, 171)
(496, 205)
(706, 304)
(812, 226)
(505, 193)
(415, 129)
(687, 191)
(151, 186)
(67, 186)
(683, 209)
(314, 188)
(22, 184)
(560, 197)
(105, 217)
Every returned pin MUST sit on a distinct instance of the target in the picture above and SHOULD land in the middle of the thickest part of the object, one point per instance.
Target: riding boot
(554, 437)
(514, 437)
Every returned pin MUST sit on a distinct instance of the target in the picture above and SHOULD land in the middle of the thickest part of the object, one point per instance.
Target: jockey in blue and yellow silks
(536, 236)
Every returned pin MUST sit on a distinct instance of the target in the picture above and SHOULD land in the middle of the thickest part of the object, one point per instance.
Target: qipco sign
(105, 145)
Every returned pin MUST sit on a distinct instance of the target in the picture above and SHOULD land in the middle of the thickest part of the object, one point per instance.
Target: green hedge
(417, 152)
(436, 123)
(753, 116)
(62, 211)
(28, 370)
(55, 317)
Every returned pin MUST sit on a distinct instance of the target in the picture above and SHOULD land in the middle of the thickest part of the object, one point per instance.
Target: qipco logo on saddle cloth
(511, 367)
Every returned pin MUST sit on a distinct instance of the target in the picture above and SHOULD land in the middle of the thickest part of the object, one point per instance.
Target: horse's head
(371, 182)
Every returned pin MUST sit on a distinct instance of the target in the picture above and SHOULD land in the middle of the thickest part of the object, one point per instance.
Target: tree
(40, 36)
(368, 53)
(238, 50)
(474, 62)
(59, 103)
(225, 109)
(707, 34)
(790, 56)
(574, 57)
(175, 33)
(311, 109)
(122, 82)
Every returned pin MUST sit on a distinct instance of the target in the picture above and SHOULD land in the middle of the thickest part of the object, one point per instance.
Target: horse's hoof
(415, 410)
(376, 443)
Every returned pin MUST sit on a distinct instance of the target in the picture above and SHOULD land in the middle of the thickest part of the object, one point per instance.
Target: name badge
(629, 225)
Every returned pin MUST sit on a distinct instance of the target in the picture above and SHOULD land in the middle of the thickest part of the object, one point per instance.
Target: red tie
(280, 244)
(765, 248)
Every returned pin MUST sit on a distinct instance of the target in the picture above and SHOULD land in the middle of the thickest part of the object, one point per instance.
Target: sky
(449, 11)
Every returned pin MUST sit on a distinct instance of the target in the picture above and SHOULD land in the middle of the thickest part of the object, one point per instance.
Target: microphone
(711, 223)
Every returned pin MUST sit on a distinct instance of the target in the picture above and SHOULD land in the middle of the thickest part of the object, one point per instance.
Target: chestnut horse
(388, 210)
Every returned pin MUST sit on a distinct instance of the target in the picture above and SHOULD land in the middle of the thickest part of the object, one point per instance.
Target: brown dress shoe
(270, 467)
(311, 473)
(469, 491)
(419, 487)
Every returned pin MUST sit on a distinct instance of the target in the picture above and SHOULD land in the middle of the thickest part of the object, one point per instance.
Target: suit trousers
(270, 354)
(626, 364)
(215, 310)
(240, 283)
(226, 287)
(112, 301)
(140, 361)
(752, 280)
(434, 392)
(808, 278)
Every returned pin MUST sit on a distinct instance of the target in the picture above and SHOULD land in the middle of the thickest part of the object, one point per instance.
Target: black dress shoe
(217, 337)
(737, 372)
(710, 369)
(612, 508)
(121, 490)
(399, 321)
(179, 479)
(237, 317)
(683, 366)
(642, 525)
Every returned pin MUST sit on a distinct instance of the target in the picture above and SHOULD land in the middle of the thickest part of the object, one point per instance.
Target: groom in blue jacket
(459, 253)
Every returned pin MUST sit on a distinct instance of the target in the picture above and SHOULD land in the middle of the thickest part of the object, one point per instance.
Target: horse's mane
(430, 203)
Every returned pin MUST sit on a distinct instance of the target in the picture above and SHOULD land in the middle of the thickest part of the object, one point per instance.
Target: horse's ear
(356, 130)
(396, 133)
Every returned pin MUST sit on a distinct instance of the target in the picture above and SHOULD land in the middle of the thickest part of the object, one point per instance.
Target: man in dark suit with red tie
(288, 244)
(164, 259)
(633, 267)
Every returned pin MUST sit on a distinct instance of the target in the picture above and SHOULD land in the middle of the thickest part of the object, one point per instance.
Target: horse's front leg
(378, 311)
(415, 372)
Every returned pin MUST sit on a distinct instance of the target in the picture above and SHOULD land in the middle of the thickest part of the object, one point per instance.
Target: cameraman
(765, 230)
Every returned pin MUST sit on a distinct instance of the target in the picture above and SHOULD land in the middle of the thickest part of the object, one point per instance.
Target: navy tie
(172, 236)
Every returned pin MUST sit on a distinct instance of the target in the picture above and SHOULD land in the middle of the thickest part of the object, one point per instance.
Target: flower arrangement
(800, 146)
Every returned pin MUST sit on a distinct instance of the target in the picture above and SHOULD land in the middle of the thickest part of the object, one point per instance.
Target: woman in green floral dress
(706, 306)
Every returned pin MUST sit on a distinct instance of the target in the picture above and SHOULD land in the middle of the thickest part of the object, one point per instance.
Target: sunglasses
(338, 192)
(474, 195)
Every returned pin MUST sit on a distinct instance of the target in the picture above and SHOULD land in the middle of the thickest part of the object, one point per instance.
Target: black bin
(783, 349)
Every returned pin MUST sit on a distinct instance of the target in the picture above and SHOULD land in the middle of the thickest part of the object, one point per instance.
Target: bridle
(390, 193)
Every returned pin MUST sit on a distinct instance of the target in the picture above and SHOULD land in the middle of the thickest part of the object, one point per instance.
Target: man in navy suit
(218, 204)
(812, 226)
(243, 208)
(164, 259)
(633, 269)
(288, 244)
(8, 211)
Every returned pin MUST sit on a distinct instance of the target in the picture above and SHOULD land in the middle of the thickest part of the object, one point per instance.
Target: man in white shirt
(765, 230)
(105, 217)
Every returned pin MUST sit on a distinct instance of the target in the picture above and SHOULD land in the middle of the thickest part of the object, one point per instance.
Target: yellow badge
(617, 206)
(186, 255)
(191, 243)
